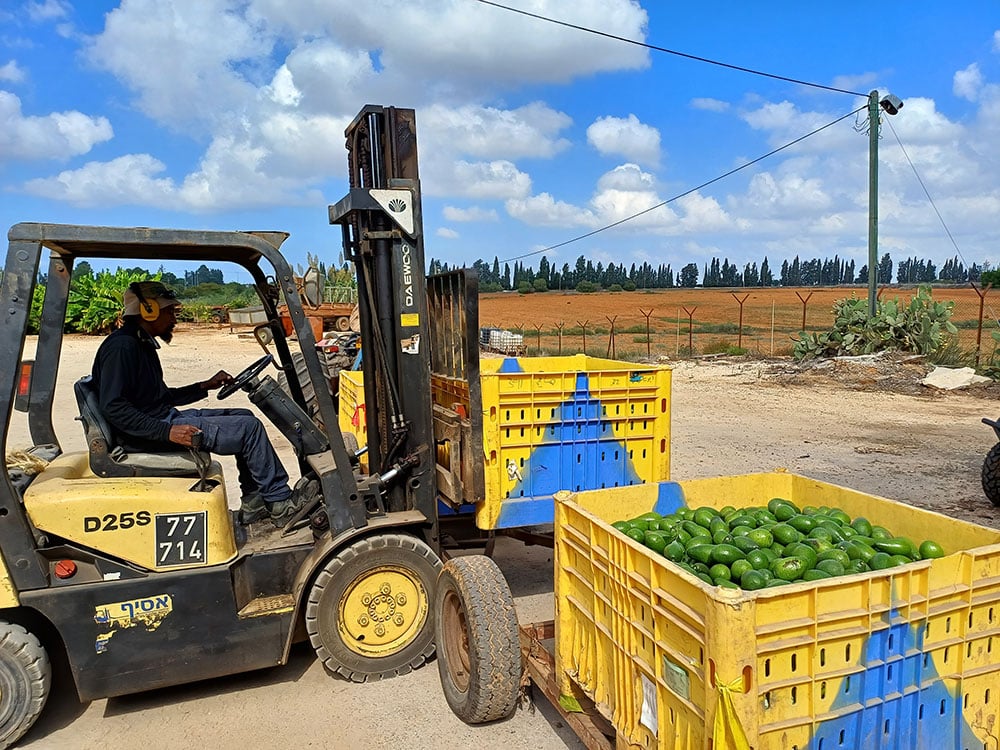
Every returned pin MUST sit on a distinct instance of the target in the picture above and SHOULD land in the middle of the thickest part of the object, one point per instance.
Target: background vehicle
(991, 467)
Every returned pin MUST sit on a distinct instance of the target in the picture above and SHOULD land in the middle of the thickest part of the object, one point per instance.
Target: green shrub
(922, 327)
(587, 287)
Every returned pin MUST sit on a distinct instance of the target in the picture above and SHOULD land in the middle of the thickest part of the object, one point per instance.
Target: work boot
(253, 509)
(304, 493)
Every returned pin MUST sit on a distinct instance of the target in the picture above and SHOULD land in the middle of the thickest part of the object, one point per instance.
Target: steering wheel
(244, 378)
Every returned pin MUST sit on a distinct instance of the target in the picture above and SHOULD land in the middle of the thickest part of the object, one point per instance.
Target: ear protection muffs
(149, 309)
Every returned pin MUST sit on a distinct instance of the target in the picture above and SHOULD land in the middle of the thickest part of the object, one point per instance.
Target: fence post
(739, 336)
(979, 327)
(612, 352)
(690, 314)
(559, 327)
(538, 338)
(647, 314)
(772, 326)
(804, 301)
(583, 325)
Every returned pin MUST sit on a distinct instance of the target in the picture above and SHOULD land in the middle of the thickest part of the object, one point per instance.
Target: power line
(926, 192)
(670, 51)
(933, 204)
(686, 192)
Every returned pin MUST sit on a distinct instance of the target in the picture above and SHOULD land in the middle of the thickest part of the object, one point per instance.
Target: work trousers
(237, 432)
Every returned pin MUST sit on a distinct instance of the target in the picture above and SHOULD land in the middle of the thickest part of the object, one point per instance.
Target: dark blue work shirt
(128, 378)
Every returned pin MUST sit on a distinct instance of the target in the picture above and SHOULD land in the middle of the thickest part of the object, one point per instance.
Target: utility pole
(873, 114)
(891, 104)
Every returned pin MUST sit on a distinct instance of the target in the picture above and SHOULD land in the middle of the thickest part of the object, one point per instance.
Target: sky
(230, 114)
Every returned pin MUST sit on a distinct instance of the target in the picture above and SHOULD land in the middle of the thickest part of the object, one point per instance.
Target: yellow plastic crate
(547, 424)
(567, 423)
(903, 658)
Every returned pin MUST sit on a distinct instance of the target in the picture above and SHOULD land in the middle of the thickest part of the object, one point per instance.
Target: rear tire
(991, 475)
(479, 652)
(342, 324)
(25, 679)
(368, 614)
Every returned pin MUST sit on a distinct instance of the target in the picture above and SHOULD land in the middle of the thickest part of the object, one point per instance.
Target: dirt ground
(867, 425)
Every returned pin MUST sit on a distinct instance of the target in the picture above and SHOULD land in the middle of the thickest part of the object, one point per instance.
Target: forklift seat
(108, 459)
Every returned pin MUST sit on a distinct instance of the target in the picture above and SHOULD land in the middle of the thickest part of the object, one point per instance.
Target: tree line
(584, 275)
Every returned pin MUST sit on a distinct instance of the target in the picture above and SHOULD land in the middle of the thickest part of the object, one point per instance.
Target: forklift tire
(479, 651)
(991, 475)
(25, 678)
(342, 324)
(368, 614)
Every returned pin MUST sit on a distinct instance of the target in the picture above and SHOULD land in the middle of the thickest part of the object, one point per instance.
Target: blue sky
(225, 114)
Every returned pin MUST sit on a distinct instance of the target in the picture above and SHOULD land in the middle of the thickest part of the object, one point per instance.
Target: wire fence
(720, 322)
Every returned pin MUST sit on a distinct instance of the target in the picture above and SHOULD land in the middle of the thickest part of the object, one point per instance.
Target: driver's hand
(183, 434)
(217, 381)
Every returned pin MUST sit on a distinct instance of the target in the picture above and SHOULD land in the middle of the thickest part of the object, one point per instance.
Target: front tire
(368, 614)
(991, 475)
(25, 679)
(479, 651)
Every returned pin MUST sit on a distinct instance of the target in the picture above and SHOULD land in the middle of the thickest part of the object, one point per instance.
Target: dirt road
(728, 418)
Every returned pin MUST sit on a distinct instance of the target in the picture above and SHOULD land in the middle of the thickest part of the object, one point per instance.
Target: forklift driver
(139, 406)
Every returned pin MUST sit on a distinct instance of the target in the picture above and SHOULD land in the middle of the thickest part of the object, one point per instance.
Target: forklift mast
(381, 222)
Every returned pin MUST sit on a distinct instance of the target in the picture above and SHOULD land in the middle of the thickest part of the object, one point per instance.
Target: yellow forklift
(133, 565)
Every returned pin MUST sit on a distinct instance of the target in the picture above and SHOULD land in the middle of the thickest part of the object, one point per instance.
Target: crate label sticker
(409, 320)
(147, 613)
(676, 678)
(181, 539)
(648, 717)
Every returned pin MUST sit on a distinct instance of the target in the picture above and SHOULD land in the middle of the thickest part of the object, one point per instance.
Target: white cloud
(47, 10)
(472, 213)
(446, 233)
(543, 210)
(11, 72)
(279, 79)
(117, 182)
(486, 132)
(457, 45)
(493, 180)
(785, 194)
(220, 52)
(58, 135)
(709, 105)
(967, 83)
(210, 51)
(627, 194)
(626, 177)
(628, 137)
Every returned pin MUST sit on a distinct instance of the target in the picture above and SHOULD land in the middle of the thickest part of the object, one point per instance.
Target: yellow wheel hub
(382, 610)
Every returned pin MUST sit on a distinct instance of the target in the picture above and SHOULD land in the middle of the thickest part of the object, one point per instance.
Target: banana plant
(95, 301)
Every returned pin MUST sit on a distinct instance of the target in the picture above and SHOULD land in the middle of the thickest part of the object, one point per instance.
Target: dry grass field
(772, 318)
